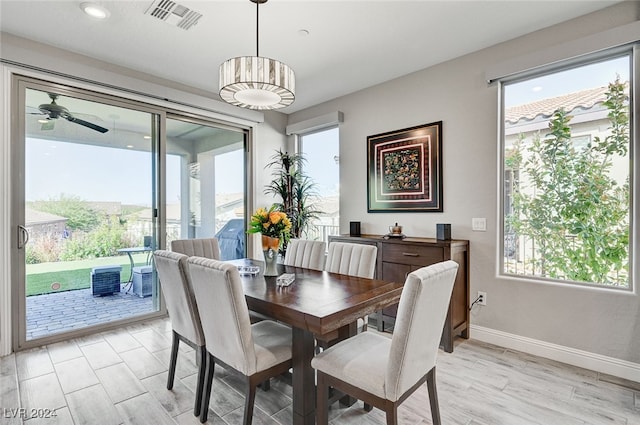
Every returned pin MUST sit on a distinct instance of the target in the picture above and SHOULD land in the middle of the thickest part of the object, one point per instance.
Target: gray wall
(596, 321)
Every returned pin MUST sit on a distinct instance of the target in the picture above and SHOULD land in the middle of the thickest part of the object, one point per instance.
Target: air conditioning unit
(105, 280)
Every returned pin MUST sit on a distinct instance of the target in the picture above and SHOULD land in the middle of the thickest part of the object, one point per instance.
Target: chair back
(418, 328)
(352, 259)
(306, 254)
(224, 313)
(178, 294)
(204, 247)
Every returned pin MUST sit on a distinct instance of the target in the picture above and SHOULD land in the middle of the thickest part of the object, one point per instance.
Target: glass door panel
(205, 182)
(88, 214)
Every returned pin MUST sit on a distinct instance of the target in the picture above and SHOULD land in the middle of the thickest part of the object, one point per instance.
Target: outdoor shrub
(104, 241)
(43, 249)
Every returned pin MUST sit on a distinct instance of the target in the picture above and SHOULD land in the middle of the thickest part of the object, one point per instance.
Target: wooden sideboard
(398, 257)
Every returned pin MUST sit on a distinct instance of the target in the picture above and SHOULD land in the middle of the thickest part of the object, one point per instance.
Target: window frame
(630, 51)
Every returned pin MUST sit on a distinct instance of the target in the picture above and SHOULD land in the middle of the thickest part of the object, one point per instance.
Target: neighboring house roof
(545, 108)
(109, 208)
(33, 217)
(171, 210)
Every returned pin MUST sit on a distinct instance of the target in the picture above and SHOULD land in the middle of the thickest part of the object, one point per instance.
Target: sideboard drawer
(411, 254)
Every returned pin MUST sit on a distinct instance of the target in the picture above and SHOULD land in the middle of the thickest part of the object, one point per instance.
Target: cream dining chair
(305, 253)
(256, 352)
(183, 313)
(383, 372)
(202, 247)
(353, 259)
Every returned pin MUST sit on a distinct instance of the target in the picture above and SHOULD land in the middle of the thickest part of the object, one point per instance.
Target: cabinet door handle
(410, 254)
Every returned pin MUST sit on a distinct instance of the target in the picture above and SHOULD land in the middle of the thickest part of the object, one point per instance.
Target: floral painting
(405, 170)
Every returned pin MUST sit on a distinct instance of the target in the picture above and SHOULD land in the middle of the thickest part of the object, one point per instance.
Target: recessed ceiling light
(94, 10)
(146, 137)
(303, 33)
(537, 88)
(43, 121)
(130, 146)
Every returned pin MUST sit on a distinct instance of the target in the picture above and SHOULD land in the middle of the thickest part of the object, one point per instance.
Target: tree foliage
(79, 215)
(569, 203)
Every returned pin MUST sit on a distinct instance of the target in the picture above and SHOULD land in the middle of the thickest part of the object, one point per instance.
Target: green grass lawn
(74, 274)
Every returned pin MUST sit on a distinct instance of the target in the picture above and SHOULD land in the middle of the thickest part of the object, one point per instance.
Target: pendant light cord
(257, 29)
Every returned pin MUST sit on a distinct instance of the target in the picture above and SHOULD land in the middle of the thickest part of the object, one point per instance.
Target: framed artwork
(404, 170)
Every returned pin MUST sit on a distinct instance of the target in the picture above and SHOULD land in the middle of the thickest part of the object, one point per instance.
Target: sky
(552, 85)
(95, 173)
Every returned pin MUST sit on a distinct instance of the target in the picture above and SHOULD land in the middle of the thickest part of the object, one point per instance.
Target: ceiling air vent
(173, 13)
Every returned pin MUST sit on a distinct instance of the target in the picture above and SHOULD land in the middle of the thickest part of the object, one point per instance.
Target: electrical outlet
(482, 298)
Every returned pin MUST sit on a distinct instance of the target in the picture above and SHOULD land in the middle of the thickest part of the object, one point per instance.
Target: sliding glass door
(206, 184)
(85, 211)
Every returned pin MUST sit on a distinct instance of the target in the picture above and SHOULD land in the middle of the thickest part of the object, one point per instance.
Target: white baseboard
(599, 363)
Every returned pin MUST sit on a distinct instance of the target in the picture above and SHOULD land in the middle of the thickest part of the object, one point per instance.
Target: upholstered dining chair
(383, 372)
(202, 247)
(305, 253)
(183, 313)
(352, 259)
(255, 352)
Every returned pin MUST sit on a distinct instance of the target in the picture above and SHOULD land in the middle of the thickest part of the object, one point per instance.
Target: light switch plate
(479, 224)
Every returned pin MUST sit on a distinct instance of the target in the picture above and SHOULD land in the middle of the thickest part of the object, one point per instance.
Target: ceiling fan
(55, 111)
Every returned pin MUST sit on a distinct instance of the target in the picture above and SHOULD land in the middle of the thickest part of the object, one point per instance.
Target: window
(321, 151)
(566, 174)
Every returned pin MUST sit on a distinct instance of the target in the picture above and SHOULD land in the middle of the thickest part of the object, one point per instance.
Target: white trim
(307, 126)
(5, 223)
(597, 362)
(593, 43)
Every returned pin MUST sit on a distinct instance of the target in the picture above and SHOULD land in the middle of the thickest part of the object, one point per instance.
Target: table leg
(304, 382)
(131, 272)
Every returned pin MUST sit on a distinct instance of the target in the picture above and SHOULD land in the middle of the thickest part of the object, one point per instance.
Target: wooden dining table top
(317, 301)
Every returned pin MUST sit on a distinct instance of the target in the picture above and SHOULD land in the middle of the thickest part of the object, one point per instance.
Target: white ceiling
(351, 44)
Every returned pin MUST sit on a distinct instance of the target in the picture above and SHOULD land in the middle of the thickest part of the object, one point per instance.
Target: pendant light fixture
(256, 82)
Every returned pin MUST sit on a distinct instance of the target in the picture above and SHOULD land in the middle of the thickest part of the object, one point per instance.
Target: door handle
(23, 236)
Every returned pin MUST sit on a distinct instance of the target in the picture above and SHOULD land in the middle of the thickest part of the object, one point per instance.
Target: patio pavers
(64, 311)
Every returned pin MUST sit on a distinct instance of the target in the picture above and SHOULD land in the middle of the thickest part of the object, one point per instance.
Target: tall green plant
(295, 189)
(568, 202)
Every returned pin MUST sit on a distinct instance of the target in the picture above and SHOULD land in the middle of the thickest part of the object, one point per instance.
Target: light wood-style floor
(120, 377)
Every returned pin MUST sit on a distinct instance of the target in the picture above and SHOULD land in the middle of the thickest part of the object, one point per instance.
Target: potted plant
(275, 228)
(296, 191)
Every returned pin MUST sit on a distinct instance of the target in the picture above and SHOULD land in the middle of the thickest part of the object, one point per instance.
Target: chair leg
(206, 391)
(266, 385)
(250, 396)
(322, 402)
(433, 397)
(392, 414)
(172, 362)
(201, 360)
(368, 407)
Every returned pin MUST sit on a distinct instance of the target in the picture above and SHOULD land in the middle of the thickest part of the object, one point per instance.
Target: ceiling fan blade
(86, 123)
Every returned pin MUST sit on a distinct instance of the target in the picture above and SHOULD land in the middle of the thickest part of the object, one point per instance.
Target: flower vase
(270, 250)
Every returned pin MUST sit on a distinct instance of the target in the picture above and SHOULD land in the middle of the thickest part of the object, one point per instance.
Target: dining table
(317, 304)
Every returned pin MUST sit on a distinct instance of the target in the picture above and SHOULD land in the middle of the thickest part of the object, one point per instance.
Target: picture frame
(404, 170)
